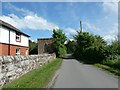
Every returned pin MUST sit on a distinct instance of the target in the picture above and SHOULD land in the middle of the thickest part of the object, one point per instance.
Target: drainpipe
(9, 44)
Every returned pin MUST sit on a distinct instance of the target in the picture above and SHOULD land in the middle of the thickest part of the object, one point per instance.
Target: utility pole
(80, 26)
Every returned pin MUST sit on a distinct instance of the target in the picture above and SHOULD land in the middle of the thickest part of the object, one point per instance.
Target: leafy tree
(115, 47)
(99, 42)
(58, 45)
(90, 47)
(71, 46)
(84, 39)
(33, 46)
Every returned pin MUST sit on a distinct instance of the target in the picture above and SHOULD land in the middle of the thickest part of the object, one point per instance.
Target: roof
(5, 24)
(45, 38)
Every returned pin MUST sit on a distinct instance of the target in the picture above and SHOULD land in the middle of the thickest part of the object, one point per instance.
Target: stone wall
(44, 45)
(12, 67)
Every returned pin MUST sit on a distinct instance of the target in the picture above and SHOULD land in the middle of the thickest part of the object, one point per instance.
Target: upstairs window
(18, 37)
(18, 51)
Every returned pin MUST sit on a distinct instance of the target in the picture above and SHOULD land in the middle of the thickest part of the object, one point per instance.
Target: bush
(33, 47)
(90, 47)
(62, 51)
(70, 46)
(113, 61)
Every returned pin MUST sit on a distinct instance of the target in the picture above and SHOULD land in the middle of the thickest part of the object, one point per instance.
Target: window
(18, 51)
(26, 51)
(18, 37)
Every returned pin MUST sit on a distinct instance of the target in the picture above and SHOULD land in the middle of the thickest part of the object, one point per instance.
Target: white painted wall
(4, 35)
(24, 39)
(0, 44)
(0, 30)
(4, 38)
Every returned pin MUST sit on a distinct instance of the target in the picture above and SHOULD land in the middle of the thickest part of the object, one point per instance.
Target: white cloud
(91, 27)
(70, 32)
(28, 20)
(61, 1)
(110, 7)
(33, 22)
(19, 10)
(112, 35)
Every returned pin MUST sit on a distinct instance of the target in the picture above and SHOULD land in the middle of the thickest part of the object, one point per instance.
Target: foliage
(33, 46)
(58, 45)
(93, 49)
(114, 48)
(84, 39)
(90, 47)
(113, 61)
(71, 46)
(106, 67)
(37, 78)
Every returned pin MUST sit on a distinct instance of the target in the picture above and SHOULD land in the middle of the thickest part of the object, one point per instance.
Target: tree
(58, 45)
(90, 47)
(99, 42)
(84, 40)
(71, 46)
(33, 46)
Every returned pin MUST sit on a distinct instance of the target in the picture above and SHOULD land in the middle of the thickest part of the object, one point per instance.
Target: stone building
(44, 45)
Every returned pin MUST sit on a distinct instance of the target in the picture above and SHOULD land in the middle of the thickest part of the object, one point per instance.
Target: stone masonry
(12, 67)
(45, 45)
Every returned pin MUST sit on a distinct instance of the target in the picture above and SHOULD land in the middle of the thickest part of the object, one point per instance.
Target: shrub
(90, 47)
(62, 51)
(113, 61)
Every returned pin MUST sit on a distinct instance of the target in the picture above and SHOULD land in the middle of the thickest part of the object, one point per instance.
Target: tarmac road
(74, 74)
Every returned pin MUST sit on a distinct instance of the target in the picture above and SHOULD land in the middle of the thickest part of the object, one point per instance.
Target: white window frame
(18, 52)
(18, 37)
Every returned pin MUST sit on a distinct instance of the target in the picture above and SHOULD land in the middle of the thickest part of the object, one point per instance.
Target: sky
(38, 19)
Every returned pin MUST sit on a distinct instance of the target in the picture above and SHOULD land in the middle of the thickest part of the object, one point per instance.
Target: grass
(110, 69)
(38, 78)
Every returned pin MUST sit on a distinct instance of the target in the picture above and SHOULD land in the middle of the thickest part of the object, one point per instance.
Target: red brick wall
(13, 48)
(4, 49)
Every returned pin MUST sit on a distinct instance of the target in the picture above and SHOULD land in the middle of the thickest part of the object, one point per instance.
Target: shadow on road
(69, 57)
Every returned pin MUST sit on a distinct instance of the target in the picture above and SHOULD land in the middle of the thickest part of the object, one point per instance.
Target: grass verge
(38, 78)
(112, 70)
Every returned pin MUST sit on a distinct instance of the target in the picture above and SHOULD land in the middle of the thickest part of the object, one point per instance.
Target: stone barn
(45, 45)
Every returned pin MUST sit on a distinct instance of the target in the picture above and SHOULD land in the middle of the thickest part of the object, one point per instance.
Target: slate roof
(5, 24)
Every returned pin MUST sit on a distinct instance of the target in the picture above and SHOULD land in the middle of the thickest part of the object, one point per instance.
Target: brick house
(44, 45)
(12, 41)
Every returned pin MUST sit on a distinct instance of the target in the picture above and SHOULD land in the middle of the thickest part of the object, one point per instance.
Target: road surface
(74, 74)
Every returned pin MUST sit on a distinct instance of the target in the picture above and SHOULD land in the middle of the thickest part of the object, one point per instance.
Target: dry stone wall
(12, 67)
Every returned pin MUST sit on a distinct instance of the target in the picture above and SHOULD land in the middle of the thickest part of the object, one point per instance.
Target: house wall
(24, 39)
(22, 50)
(4, 49)
(4, 38)
(13, 48)
(0, 38)
(4, 43)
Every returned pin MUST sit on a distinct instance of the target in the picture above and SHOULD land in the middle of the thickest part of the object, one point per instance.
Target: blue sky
(38, 19)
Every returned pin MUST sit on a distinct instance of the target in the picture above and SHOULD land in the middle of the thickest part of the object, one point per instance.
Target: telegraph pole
(80, 26)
